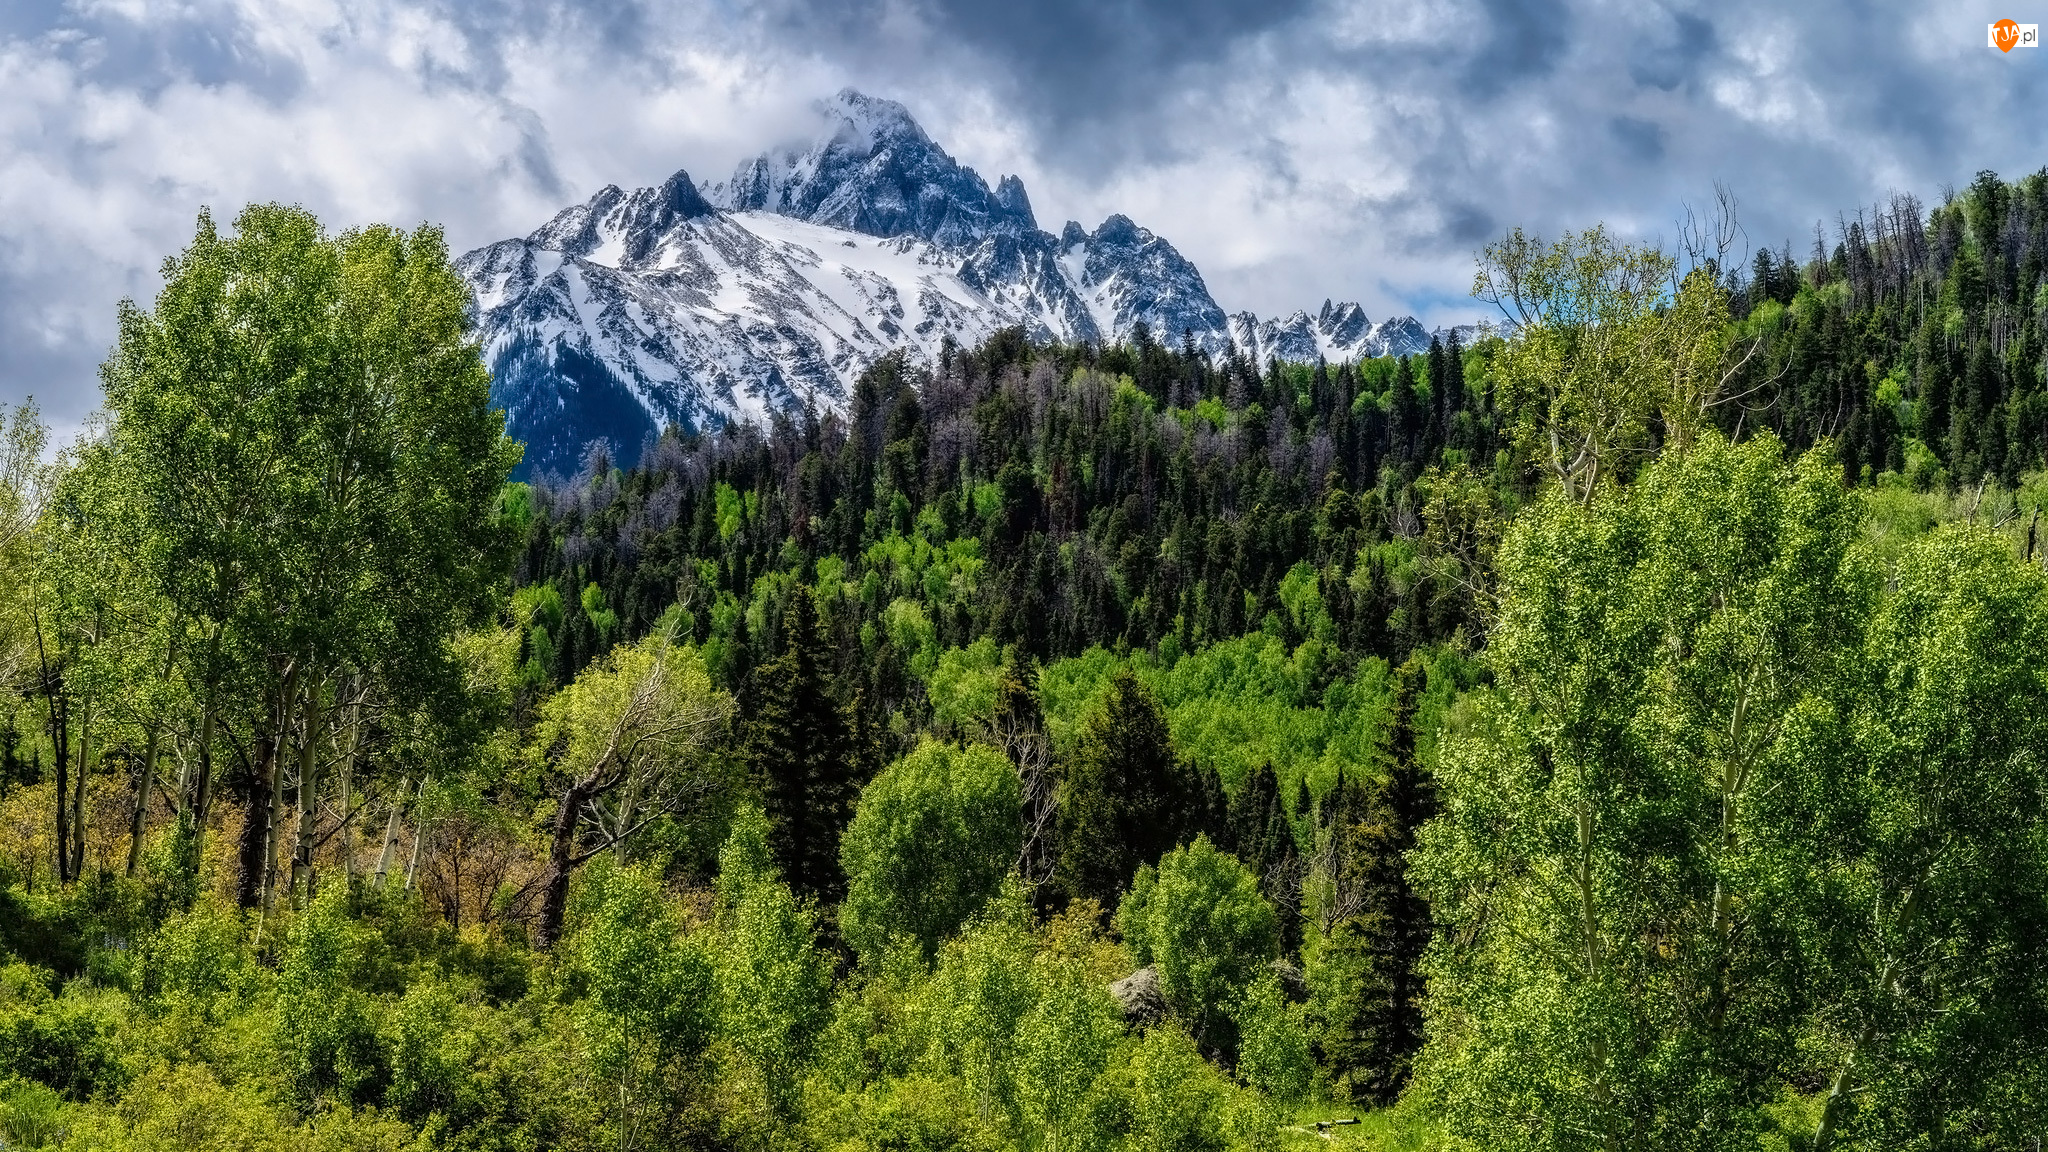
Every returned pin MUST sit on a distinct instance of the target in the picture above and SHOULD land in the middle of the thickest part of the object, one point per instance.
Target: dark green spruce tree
(1124, 797)
(1260, 835)
(801, 748)
(1369, 994)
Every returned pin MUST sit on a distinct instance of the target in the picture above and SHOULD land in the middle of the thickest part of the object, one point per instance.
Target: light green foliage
(1301, 594)
(1644, 870)
(727, 614)
(538, 609)
(1029, 1028)
(773, 985)
(185, 1106)
(515, 504)
(1068, 690)
(928, 565)
(1167, 1098)
(1945, 889)
(1603, 344)
(25, 479)
(731, 511)
(68, 1041)
(309, 477)
(660, 688)
(911, 632)
(1273, 1052)
(988, 499)
(424, 1077)
(624, 745)
(602, 618)
(964, 686)
(912, 1113)
(31, 1116)
(196, 964)
(1200, 918)
(1240, 704)
(651, 993)
(326, 1029)
(929, 844)
(1062, 1045)
(745, 860)
(982, 990)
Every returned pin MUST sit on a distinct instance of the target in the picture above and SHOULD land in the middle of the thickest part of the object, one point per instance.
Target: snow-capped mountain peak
(874, 170)
(865, 120)
(694, 304)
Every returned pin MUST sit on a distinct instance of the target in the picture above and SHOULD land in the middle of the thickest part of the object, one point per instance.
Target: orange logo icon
(2007, 35)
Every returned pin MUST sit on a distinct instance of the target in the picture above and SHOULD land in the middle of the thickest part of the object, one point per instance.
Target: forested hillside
(1056, 498)
(1625, 732)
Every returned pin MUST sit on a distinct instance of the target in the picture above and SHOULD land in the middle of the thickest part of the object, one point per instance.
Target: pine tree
(1259, 833)
(1369, 991)
(800, 746)
(1123, 797)
(1435, 427)
(1454, 400)
(1404, 420)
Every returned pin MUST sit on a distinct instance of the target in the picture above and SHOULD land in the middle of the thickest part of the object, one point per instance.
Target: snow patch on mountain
(695, 305)
(875, 171)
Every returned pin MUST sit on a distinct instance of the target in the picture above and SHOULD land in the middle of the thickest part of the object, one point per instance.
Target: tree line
(1559, 742)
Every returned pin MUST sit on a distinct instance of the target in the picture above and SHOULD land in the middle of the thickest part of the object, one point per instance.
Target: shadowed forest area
(1625, 732)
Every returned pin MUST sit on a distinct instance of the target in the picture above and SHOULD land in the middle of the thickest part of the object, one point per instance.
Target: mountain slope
(696, 305)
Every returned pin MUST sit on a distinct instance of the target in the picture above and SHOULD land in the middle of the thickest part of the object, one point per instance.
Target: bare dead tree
(1017, 729)
(627, 738)
(1707, 242)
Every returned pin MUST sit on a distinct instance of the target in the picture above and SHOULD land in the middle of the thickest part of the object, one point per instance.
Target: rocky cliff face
(697, 304)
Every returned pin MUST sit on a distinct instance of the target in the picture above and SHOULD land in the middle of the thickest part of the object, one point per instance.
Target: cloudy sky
(1295, 149)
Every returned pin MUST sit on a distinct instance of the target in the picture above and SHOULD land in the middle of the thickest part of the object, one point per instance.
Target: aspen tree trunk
(554, 901)
(60, 746)
(252, 889)
(249, 851)
(201, 797)
(273, 827)
(347, 829)
(419, 829)
(391, 831)
(181, 796)
(348, 773)
(202, 803)
(145, 780)
(1845, 1077)
(309, 791)
(60, 728)
(78, 791)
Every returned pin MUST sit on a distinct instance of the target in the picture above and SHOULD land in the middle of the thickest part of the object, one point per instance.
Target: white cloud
(1350, 149)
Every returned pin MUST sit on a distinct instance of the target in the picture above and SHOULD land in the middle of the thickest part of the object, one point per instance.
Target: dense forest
(1627, 731)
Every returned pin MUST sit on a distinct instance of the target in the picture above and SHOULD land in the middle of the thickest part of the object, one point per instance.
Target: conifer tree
(1404, 419)
(1435, 428)
(1454, 396)
(1395, 920)
(799, 745)
(1259, 834)
(1122, 792)
(1368, 989)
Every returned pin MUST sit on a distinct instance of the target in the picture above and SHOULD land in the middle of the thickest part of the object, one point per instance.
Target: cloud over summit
(1294, 150)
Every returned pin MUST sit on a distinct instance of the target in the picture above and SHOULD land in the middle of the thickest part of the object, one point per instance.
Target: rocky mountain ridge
(694, 304)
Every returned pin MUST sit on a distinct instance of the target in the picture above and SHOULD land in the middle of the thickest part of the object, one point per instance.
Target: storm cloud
(1296, 150)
